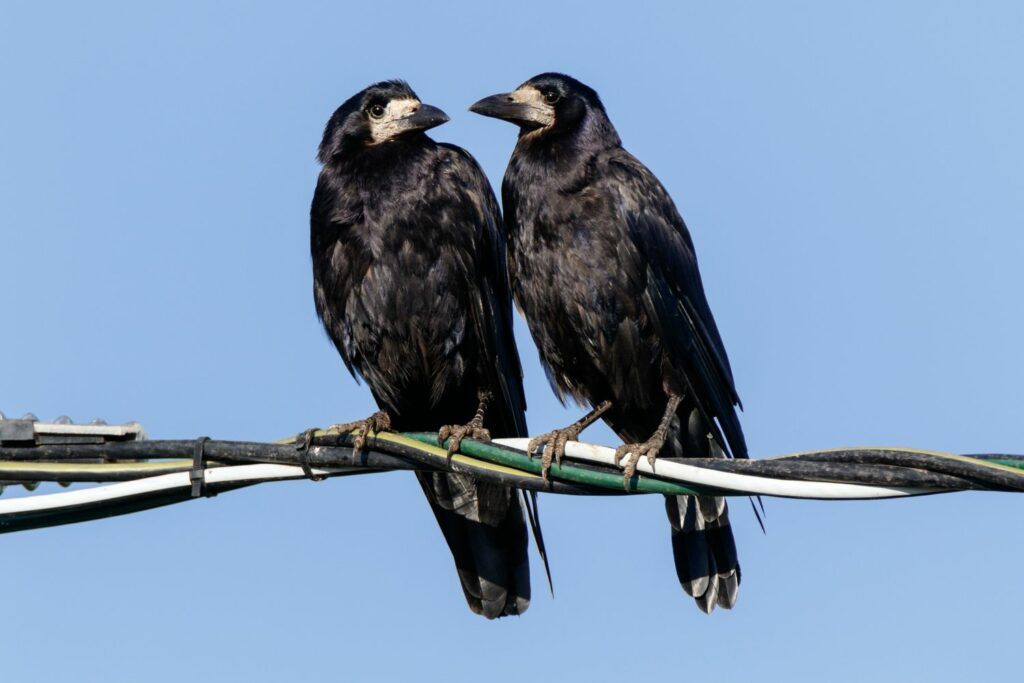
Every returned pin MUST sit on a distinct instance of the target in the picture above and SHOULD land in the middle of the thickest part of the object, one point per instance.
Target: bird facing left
(411, 285)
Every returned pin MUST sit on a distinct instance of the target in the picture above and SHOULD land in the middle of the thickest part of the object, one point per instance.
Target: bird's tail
(704, 550)
(484, 526)
(702, 544)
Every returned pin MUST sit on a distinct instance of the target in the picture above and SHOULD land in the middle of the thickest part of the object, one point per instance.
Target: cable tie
(303, 448)
(198, 472)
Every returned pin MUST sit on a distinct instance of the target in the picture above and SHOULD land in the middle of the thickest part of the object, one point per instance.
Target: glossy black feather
(605, 272)
(410, 284)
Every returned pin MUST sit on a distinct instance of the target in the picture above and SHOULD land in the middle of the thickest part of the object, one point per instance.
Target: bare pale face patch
(536, 109)
(393, 121)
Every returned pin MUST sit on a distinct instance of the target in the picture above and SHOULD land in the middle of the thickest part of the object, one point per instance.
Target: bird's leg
(554, 442)
(376, 423)
(473, 430)
(650, 447)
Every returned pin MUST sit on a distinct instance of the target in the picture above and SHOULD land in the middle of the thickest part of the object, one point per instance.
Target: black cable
(987, 476)
(875, 474)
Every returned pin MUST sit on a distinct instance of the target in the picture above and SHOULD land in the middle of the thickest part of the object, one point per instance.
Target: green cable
(508, 457)
(1006, 462)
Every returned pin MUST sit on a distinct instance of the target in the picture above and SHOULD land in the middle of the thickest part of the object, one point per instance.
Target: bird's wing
(492, 303)
(332, 269)
(674, 292)
(492, 556)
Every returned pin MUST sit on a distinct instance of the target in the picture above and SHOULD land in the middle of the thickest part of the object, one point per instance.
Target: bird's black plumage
(606, 275)
(411, 285)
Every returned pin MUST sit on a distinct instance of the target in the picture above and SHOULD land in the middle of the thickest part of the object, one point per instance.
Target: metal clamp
(198, 473)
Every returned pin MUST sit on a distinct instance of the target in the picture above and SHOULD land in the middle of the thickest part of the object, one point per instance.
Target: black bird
(604, 270)
(410, 282)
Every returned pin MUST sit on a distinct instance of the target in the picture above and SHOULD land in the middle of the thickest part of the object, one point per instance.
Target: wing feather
(492, 306)
(675, 295)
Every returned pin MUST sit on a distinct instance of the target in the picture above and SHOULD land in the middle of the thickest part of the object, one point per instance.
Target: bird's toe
(454, 434)
(360, 429)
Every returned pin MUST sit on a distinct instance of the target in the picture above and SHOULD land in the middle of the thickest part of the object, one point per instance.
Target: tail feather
(533, 514)
(485, 529)
(704, 550)
(702, 543)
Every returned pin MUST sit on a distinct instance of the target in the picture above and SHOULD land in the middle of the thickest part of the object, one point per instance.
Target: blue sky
(851, 174)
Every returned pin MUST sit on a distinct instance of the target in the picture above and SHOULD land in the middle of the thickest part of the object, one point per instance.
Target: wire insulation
(140, 475)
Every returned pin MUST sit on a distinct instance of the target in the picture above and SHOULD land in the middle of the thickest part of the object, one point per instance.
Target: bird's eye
(551, 96)
(376, 111)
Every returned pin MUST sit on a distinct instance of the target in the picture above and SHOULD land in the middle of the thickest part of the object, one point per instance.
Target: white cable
(730, 481)
(163, 482)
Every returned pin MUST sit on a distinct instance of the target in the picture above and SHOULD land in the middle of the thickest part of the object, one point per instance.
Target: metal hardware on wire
(198, 472)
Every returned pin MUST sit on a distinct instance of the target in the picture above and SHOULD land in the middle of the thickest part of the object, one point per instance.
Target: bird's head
(547, 105)
(382, 113)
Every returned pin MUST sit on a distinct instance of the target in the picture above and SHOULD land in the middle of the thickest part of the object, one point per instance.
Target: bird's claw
(456, 433)
(376, 423)
(554, 447)
(635, 451)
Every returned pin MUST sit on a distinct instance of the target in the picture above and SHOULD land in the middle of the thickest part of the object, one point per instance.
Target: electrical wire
(148, 474)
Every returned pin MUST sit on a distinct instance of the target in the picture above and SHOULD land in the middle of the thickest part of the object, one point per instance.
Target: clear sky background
(852, 174)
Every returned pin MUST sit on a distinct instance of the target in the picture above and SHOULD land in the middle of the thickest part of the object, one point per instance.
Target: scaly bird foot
(554, 446)
(649, 448)
(459, 432)
(376, 423)
(554, 442)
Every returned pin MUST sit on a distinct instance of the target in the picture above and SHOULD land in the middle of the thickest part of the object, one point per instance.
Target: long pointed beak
(508, 107)
(424, 118)
(500, 107)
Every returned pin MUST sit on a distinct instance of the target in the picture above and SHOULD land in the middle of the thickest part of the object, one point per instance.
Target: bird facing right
(604, 270)
(409, 282)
